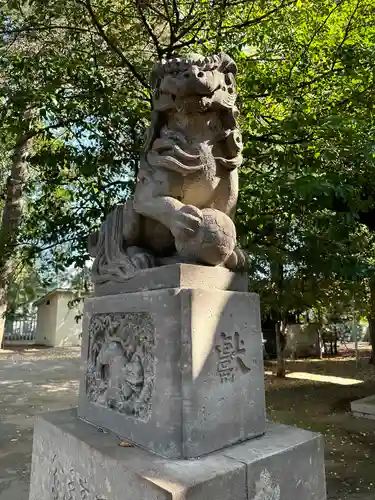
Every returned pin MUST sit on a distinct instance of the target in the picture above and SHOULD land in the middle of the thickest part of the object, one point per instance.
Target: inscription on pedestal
(230, 350)
(120, 363)
(67, 484)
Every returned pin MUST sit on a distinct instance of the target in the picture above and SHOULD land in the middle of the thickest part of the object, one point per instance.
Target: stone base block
(177, 371)
(364, 407)
(73, 460)
(178, 276)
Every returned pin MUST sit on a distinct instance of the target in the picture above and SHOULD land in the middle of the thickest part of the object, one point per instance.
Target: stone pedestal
(176, 371)
(178, 276)
(191, 380)
(71, 459)
(364, 407)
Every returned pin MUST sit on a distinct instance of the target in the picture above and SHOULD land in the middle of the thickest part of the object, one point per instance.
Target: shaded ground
(325, 407)
(31, 382)
(34, 381)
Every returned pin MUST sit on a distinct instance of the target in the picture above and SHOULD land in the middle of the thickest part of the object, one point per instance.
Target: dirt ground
(31, 382)
(34, 381)
(325, 407)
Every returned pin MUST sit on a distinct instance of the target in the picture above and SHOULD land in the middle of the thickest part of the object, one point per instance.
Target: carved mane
(195, 85)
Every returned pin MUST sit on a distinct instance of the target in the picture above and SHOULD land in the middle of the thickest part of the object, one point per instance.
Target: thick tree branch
(176, 13)
(219, 37)
(115, 16)
(259, 19)
(312, 38)
(112, 43)
(196, 25)
(199, 21)
(346, 34)
(149, 29)
(182, 45)
(42, 27)
(157, 12)
(300, 86)
(269, 139)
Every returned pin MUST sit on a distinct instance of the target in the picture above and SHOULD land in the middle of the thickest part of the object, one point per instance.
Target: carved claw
(238, 261)
(140, 258)
(188, 220)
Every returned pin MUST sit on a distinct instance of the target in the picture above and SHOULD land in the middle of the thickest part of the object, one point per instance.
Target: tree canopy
(306, 85)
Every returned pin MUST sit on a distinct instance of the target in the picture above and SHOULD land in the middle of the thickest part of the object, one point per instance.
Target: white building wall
(68, 329)
(302, 340)
(57, 325)
(46, 321)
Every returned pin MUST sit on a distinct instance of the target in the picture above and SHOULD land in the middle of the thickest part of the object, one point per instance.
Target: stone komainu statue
(186, 192)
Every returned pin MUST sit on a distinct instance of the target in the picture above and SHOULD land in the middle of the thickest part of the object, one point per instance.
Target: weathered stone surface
(72, 460)
(364, 407)
(178, 276)
(120, 365)
(358, 414)
(286, 463)
(70, 457)
(187, 186)
(196, 384)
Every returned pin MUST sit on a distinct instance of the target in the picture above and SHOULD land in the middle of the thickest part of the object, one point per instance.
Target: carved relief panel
(120, 364)
(67, 484)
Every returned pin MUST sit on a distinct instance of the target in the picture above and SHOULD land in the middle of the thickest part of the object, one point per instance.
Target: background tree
(306, 86)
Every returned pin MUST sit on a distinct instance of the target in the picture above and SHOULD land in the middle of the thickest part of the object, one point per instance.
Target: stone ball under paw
(213, 242)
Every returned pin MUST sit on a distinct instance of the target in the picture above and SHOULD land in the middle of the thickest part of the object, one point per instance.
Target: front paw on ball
(212, 243)
(187, 220)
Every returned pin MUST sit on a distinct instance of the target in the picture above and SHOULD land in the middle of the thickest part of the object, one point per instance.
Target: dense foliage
(306, 85)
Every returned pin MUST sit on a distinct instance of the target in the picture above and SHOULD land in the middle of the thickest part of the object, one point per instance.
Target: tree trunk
(319, 334)
(277, 277)
(320, 344)
(280, 349)
(371, 321)
(12, 213)
(2, 320)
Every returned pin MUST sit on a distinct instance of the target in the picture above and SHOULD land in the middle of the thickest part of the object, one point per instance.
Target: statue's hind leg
(116, 247)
